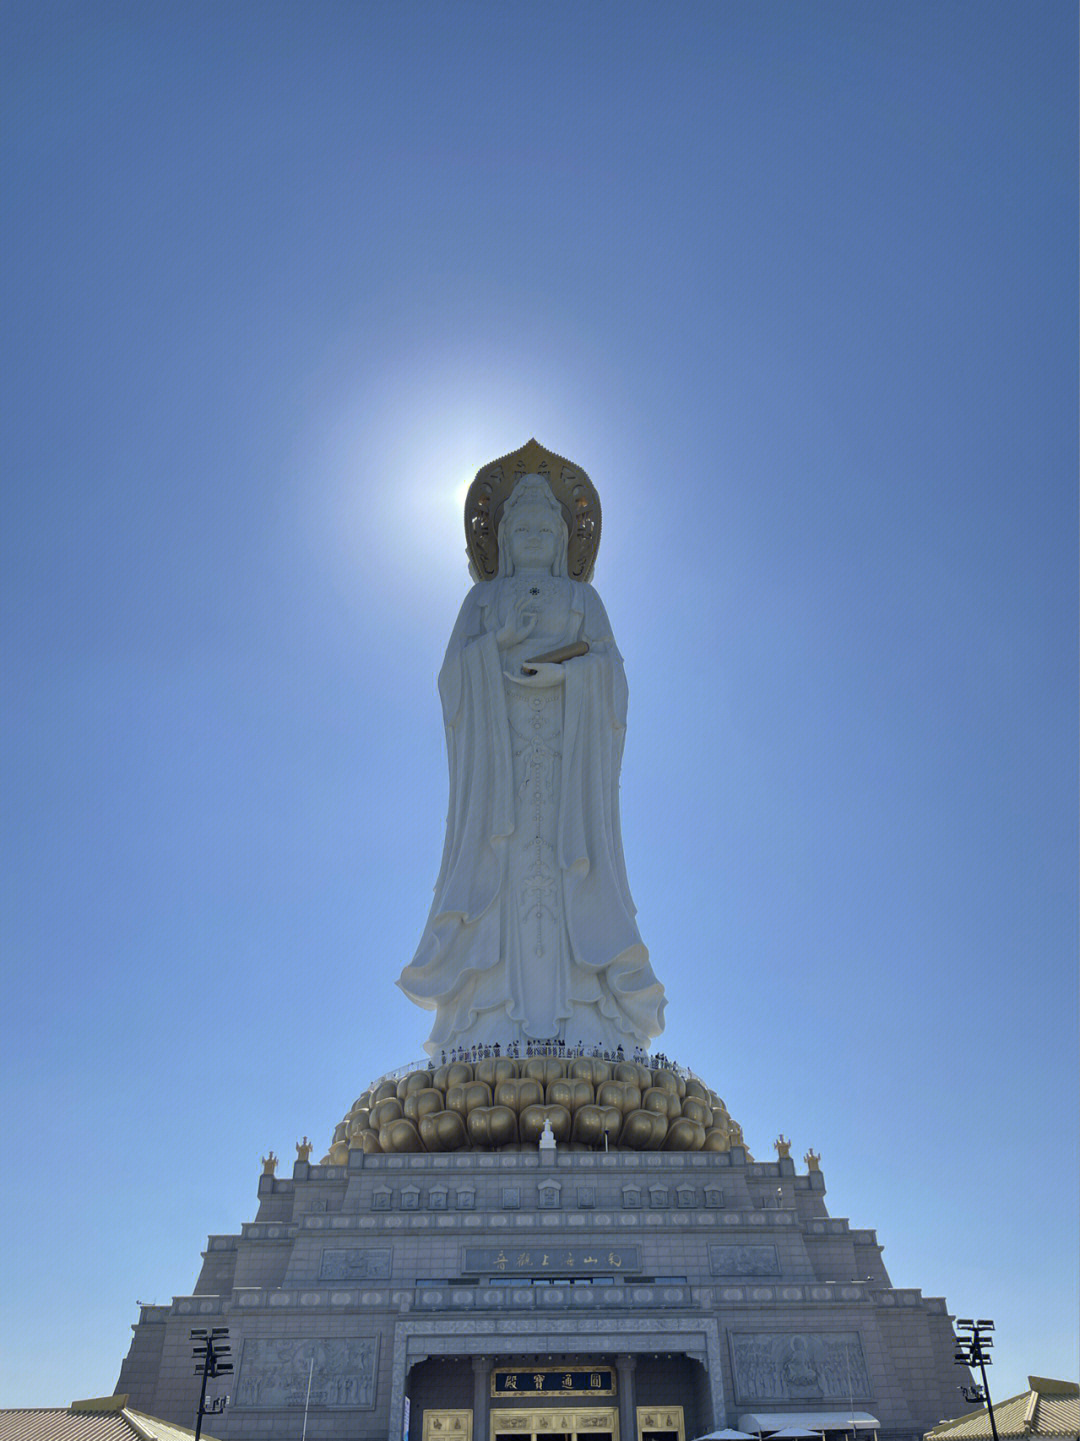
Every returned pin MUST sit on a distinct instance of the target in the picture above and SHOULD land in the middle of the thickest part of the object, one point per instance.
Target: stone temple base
(632, 1295)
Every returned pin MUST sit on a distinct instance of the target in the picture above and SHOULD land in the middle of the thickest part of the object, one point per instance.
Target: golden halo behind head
(570, 486)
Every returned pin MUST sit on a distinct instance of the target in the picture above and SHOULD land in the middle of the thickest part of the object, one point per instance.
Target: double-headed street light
(972, 1344)
(211, 1352)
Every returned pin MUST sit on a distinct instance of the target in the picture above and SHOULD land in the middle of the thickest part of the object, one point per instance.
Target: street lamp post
(972, 1344)
(211, 1351)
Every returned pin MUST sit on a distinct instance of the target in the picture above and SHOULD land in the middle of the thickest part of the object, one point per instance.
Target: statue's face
(533, 541)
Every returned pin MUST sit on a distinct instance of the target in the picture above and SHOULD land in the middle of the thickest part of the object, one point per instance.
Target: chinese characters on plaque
(562, 1260)
(553, 1382)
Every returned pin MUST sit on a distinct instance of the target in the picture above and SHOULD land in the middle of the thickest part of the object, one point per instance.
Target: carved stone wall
(355, 1264)
(728, 1260)
(278, 1372)
(799, 1366)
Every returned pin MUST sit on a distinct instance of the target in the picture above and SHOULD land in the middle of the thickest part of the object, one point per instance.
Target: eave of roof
(1030, 1415)
(100, 1419)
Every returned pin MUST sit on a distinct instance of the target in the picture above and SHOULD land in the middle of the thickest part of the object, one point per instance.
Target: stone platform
(649, 1295)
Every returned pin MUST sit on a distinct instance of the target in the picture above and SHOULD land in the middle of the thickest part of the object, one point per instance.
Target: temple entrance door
(556, 1423)
(660, 1423)
(448, 1426)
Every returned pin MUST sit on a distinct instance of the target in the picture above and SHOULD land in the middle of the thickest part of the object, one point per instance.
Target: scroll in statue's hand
(559, 654)
(538, 673)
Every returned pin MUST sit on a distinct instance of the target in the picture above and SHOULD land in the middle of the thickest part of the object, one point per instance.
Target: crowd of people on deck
(557, 1047)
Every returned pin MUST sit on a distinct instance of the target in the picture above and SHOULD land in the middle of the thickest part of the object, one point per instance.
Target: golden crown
(570, 486)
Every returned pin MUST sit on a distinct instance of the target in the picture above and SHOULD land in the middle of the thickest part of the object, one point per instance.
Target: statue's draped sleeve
(600, 911)
(480, 816)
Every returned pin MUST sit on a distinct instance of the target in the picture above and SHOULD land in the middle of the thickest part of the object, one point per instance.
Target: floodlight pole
(202, 1403)
(971, 1351)
(977, 1354)
(211, 1349)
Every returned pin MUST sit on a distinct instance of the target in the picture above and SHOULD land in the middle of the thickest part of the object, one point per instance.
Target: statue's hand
(541, 673)
(519, 626)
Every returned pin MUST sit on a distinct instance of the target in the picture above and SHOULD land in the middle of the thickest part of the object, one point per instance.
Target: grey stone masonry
(390, 1285)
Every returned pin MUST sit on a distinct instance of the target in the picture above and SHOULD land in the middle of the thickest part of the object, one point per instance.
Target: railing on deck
(518, 1051)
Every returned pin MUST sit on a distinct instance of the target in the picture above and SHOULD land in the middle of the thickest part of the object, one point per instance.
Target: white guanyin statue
(532, 932)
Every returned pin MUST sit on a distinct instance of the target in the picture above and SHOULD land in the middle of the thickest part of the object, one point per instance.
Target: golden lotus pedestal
(505, 1103)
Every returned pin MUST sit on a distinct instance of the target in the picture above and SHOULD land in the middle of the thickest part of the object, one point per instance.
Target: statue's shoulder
(594, 615)
(586, 598)
(483, 594)
(480, 598)
(479, 594)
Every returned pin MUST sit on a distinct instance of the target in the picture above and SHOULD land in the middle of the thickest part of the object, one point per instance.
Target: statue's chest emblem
(546, 598)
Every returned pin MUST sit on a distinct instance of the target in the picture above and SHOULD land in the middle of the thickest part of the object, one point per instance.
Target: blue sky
(796, 284)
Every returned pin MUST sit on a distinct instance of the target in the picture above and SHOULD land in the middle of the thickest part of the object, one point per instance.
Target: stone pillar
(624, 1365)
(481, 1403)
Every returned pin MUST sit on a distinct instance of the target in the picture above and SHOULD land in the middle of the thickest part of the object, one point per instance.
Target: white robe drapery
(471, 966)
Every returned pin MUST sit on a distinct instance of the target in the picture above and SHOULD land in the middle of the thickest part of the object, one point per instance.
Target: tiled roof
(107, 1419)
(57, 1423)
(1049, 1408)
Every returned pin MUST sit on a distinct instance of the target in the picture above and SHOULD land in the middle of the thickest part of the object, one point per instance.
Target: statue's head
(516, 474)
(532, 531)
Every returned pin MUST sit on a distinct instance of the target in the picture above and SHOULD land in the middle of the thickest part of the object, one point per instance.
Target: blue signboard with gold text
(545, 1381)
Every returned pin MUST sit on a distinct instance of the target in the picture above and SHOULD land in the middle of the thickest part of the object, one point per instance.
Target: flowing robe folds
(532, 930)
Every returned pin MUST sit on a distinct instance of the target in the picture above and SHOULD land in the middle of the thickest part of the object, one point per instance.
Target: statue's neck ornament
(572, 489)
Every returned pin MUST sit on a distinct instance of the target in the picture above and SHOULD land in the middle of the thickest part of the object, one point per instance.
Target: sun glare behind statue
(394, 459)
(388, 500)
